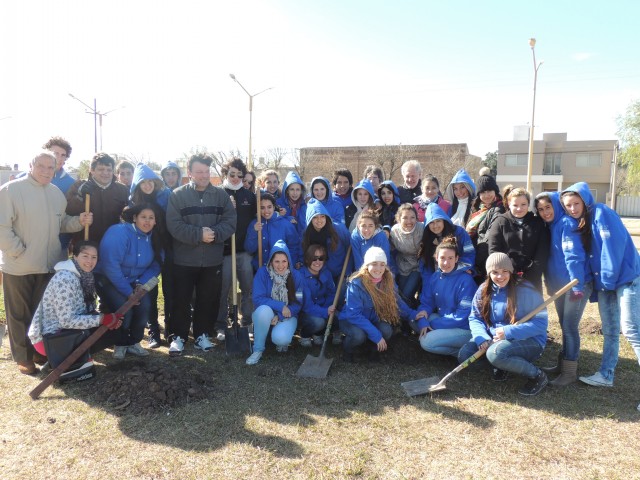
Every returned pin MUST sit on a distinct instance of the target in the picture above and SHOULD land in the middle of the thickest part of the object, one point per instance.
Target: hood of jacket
(434, 212)
(582, 189)
(394, 189)
(292, 177)
(461, 176)
(169, 165)
(66, 265)
(143, 172)
(326, 183)
(315, 207)
(280, 247)
(366, 185)
(558, 210)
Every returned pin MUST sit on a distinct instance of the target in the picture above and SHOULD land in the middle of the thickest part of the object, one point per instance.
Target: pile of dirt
(139, 388)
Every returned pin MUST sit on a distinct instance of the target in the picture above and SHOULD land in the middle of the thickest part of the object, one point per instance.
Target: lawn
(264, 422)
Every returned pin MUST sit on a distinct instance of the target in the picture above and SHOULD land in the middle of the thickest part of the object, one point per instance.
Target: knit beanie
(499, 261)
(375, 254)
(486, 183)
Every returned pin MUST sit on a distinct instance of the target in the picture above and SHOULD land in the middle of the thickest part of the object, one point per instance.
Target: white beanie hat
(375, 254)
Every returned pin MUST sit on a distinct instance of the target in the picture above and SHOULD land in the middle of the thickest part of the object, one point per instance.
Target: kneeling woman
(277, 289)
(373, 306)
(499, 302)
(69, 301)
(446, 301)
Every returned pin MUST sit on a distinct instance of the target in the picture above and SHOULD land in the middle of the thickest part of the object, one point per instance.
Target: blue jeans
(355, 336)
(281, 333)
(245, 279)
(311, 325)
(569, 315)
(619, 308)
(408, 287)
(135, 320)
(445, 341)
(509, 355)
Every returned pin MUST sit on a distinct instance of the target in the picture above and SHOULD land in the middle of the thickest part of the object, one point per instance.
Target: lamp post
(96, 114)
(536, 66)
(233, 77)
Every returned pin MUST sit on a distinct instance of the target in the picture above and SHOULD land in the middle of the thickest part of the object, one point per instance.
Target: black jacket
(245, 211)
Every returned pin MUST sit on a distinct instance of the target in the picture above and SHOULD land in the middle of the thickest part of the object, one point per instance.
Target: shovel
(318, 367)
(432, 384)
(236, 340)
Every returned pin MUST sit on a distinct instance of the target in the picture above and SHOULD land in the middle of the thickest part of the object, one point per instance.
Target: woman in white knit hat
(498, 303)
(373, 306)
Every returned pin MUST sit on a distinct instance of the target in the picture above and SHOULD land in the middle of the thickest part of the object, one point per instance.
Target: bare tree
(298, 166)
(217, 163)
(391, 157)
(448, 160)
(275, 157)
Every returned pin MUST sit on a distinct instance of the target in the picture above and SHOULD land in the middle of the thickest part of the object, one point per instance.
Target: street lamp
(536, 66)
(96, 114)
(233, 77)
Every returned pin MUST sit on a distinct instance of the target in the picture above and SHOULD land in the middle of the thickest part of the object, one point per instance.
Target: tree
(216, 165)
(82, 172)
(275, 157)
(491, 161)
(629, 156)
(391, 157)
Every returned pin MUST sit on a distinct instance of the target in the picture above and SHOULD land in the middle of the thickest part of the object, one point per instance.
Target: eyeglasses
(321, 258)
(235, 175)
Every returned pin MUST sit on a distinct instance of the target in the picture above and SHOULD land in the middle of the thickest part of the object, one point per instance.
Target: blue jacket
(333, 206)
(319, 292)
(161, 192)
(283, 202)
(461, 176)
(527, 299)
(274, 229)
(388, 212)
(359, 311)
(567, 258)
(450, 296)
(174, 165)
(335, 258)
(360, 245)
(63, 180)
(262, 285)
(614, 259)
(126, 257)
(351, 210)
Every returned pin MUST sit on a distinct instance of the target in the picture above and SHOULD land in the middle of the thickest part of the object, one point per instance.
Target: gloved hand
(576, 296)
(112, 320)
(86, 188)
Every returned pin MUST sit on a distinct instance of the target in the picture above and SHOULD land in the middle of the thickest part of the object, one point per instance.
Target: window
(516, 160)
(552, 164)
(588, 159)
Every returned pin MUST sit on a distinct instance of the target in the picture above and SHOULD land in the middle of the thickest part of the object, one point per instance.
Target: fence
(628, 206)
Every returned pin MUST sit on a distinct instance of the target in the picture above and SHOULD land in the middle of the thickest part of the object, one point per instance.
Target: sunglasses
(235, 175)
(321, 258)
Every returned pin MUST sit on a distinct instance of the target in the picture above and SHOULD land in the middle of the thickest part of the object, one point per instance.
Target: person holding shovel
(497, 304)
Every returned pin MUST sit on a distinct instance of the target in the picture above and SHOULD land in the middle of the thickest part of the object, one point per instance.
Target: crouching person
(67, 314)
(277, 292)
(498, 303)
(373, 307)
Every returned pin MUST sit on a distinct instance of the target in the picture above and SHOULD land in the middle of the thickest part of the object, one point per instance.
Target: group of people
(458, 270)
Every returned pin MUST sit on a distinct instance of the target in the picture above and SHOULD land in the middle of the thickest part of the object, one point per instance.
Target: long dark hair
(327, 231)
(156, 238)
(291, 286)
(584, 224)
(430, 241)
(485, 299)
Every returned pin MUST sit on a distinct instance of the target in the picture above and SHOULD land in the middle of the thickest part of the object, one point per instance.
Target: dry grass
(264, 422)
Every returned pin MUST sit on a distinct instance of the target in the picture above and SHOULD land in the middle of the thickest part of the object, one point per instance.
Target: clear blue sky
(343, 72)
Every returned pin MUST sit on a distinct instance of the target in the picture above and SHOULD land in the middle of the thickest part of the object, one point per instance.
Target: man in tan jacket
(32, 215)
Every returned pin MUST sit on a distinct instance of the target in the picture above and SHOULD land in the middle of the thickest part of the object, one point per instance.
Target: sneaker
(317, 340)
(534, 385)
(203, 343)
(220, 336)
(254, 358)
(119, 352)
(137, 350)
(337, 339)
(282, 348)
(305, 342)
(176, 347)
(499, 375)
(597, 380)
(154, 340)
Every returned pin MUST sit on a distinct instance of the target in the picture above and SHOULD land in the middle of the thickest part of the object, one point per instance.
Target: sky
(340, 73)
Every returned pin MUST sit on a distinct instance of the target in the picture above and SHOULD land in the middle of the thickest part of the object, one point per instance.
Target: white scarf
(458, 217)
(230, 186)
(279, 290)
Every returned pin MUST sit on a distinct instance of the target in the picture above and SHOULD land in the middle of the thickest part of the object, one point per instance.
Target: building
(557, 163)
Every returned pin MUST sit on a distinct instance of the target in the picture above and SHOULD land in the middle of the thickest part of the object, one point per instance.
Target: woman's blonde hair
(384, 298)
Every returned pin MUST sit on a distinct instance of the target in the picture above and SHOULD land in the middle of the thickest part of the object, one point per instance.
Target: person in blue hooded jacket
(437, 226)
(272, 228)
(171, 175)
(615, 264)
(567, 261)
(362, 198)
(321, 190)
(366, 235)
(373, 307)
(148, 187)
(291, 203)
(460, 192)
(446, 302)
(389, 203)
(278, 294)
(498, 304)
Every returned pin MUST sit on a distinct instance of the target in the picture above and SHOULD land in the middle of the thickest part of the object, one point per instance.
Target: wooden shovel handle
(87, 202)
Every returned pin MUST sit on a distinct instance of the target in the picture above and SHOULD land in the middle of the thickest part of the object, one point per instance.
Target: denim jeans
(135, 320)
(445, 341)
(281, 333)
(408, 287)
(311, 325)
(355, 336)
(619, 308)
(569, 315)
(510, 355)
(245, 279)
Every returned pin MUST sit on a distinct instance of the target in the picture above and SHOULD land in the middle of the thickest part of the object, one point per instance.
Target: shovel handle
(87, 202)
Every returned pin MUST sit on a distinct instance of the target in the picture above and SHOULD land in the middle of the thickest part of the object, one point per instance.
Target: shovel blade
(423, 386)
(314, 367)
(237, 340)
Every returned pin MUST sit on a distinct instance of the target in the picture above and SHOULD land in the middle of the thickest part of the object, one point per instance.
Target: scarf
(88, 286)
(295, 205)
(423, 202)
(279, 291)
(475, 219)
(230, 186)
(458, 217)
(359, 210)
(318, 237)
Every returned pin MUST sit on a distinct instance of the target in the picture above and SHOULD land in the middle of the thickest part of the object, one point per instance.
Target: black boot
(557, 368)
(535, 385)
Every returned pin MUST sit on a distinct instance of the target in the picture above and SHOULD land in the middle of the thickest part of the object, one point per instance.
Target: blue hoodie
(175, 166)
(333, 206)
(466, 252)
(567, 258)
(450, 296)
(388, 212)
(336, 258)
(262, 285)
(461, 176)
(360, 245)
(614, 259)
(283, 202)
(274, 229)
(319, 292)
(352, 210)
(160, 193)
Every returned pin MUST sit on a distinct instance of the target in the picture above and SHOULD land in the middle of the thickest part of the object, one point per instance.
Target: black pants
(207, 282)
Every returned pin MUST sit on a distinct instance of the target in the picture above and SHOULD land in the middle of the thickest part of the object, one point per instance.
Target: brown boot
(568, 375)
(27, 368)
